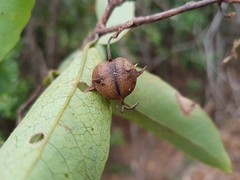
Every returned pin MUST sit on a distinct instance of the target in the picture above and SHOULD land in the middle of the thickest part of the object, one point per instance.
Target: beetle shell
(115, 79)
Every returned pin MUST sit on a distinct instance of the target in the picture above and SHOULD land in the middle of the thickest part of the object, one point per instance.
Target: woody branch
(100, 28)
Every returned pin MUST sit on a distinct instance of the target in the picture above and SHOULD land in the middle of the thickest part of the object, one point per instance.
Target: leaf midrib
(84, 58)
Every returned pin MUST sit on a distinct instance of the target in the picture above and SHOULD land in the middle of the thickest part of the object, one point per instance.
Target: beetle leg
(126, 107)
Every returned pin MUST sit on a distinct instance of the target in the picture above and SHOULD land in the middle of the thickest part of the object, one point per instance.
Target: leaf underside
(66, 134)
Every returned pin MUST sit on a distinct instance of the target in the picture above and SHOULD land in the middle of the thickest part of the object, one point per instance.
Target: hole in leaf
(82, 86)
(36, 138)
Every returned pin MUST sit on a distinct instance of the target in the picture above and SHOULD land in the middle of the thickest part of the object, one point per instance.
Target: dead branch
(135, 22)
(111, 5)
(102, 22)
(32, 97)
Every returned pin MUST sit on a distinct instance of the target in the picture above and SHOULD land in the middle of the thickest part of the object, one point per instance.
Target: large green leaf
(176, 119)
(14, 15)
(66, 134)
(120, 14)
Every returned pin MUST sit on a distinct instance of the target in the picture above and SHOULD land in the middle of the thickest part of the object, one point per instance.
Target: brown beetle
(115, 79)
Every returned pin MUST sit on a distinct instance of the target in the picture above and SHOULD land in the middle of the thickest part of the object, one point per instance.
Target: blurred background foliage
(186, 50)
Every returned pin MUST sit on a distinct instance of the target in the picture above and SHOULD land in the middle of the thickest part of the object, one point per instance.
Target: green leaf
(14, 15)
(176, 119)
(66, 134)
(120, 14)
(101, 50)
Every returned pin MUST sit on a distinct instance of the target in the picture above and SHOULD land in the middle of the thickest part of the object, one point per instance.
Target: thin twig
(26, 103)
(111, 5)
(135, 22)
(229, 15)
(108, 49)
(102, 22)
